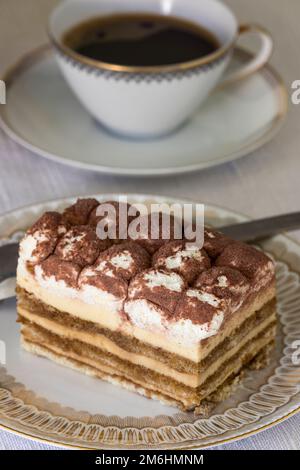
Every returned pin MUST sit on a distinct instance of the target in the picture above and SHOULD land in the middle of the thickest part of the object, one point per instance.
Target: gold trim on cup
(45, 50)
(255, 28)
(179, 67)
(246, 72)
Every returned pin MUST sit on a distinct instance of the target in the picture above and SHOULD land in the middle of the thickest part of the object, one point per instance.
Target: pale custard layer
(105, 344)
(104, 316)
(186, 396)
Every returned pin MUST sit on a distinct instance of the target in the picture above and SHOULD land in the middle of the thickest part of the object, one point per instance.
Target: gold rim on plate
(213, 444)
(291, 253)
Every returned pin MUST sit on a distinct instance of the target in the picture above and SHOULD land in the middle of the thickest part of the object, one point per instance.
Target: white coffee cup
(151, 101)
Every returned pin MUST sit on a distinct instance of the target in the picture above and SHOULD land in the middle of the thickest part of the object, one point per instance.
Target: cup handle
(257, 62)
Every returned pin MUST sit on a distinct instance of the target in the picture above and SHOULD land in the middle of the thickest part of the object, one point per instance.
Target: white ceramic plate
(43, 115)
(45, 401)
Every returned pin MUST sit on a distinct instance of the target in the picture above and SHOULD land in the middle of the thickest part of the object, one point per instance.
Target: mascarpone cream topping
(175, 261)
(165, 286)
(204, 297)
(144, 314)
(170, 281)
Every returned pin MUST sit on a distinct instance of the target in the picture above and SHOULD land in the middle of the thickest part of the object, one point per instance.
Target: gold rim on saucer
(25, 62)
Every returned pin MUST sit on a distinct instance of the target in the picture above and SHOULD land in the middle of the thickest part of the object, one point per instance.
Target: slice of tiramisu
(166, 318)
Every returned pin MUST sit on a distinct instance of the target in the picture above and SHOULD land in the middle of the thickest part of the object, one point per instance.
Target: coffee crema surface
(140, 40)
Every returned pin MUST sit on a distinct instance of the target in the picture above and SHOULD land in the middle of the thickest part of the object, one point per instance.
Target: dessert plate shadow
(45, 401)
(44, 116)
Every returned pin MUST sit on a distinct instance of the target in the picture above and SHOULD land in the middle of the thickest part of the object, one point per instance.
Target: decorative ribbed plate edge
(278, 391)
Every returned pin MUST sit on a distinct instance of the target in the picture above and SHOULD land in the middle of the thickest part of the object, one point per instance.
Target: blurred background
(261, 184)
(268, 179)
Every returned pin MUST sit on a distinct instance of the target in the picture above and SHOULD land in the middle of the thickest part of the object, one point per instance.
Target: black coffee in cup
(140, 40)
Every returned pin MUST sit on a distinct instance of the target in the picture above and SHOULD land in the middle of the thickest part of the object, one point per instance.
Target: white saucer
(43, 115)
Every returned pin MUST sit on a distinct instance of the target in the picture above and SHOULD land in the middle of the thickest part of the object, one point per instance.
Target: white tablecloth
(261, 184)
